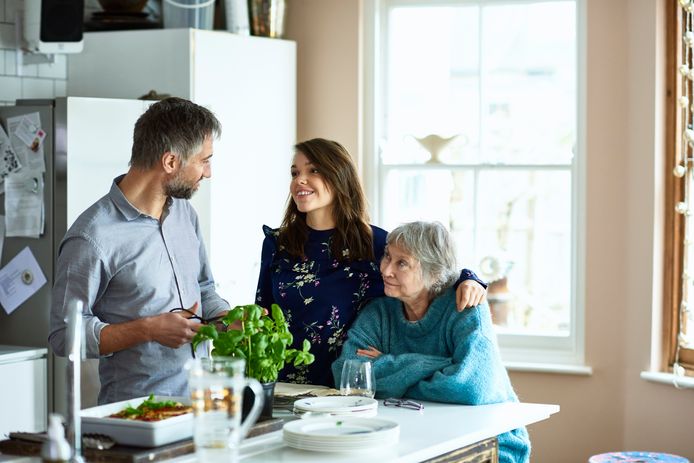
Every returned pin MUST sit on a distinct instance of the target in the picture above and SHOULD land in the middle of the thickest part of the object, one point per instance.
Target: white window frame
(522, 352)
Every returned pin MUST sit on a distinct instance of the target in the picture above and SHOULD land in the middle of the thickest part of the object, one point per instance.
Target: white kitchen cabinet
(23, 389)
(250, 84)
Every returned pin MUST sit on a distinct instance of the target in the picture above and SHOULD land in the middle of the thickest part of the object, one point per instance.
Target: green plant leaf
(206, 332)
(253, 312)
(277, 314)
(263, 341)
(233, 315)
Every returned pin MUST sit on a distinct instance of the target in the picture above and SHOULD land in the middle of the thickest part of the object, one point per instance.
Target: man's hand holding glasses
(194, 321)
(174, 328)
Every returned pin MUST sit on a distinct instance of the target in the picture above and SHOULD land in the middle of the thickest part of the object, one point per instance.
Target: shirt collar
(129, 211)
(122, 204)
(167, 208)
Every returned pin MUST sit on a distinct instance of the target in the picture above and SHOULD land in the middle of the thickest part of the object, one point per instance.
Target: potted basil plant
(263, 341)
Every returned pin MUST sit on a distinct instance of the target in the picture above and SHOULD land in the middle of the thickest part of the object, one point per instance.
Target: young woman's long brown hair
(352, 230)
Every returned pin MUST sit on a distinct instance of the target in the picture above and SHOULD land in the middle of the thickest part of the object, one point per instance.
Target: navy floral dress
(320, 296)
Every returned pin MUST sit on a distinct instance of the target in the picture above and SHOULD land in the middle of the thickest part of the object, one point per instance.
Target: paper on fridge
(9, 161)
(26, 136)
(20, 279)
(24, 209)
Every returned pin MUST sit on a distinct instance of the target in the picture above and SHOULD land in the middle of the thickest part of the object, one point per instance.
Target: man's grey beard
(176, 188)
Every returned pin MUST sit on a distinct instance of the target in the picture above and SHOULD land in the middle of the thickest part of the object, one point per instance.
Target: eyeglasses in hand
(403, 403)
(194, 316)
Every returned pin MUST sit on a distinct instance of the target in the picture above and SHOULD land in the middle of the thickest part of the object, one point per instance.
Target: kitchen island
(437, 430)
(440, 432)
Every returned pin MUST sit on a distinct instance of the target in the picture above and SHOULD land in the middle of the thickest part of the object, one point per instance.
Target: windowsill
(556, 368)
(682, 382)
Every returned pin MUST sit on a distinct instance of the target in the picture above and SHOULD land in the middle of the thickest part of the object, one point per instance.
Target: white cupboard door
(253, 94)
(23, 396)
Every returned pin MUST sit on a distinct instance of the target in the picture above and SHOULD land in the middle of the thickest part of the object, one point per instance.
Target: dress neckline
(320, 233)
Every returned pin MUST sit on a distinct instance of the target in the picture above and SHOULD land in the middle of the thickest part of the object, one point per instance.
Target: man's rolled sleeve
(92, 335)
(79, 277)
(213, 305)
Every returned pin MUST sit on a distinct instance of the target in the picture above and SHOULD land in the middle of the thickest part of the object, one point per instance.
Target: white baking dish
(137, 433)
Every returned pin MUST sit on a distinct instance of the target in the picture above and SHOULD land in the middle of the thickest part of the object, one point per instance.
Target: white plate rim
(332, 404)
(381, 426)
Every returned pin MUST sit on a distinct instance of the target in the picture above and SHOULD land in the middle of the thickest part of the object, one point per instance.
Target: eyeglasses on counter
(403, 403)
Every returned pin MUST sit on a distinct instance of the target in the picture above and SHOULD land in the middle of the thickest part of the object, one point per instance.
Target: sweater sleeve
(263, 293)
(394, 374)
(475, 375)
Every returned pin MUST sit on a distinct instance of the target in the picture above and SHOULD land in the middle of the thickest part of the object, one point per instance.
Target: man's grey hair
(432, 246)
(172, 124)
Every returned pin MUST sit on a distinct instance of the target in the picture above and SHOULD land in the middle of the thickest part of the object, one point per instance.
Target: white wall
(25, 81)
(613, 409)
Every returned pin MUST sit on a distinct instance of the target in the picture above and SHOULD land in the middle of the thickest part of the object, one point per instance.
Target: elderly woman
(421, 347)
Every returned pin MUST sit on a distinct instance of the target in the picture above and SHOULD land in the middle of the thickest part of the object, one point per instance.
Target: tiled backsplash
(30, 80)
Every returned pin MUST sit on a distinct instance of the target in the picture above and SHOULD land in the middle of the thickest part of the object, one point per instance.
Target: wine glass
(357, 378)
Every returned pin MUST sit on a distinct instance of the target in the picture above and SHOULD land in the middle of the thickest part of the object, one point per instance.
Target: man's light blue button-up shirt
(125, 265)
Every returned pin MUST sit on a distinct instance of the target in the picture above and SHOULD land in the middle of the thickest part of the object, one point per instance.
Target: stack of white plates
(337, 406)
(341, 434)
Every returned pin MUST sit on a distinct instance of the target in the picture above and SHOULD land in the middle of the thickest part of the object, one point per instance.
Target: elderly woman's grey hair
(431, 245)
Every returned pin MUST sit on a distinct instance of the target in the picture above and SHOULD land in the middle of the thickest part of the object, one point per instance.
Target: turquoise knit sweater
(447, 356)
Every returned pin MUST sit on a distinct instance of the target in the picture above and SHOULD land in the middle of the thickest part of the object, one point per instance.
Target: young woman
(322, 264)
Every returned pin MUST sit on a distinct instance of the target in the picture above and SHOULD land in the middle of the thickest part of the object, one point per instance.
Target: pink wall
(327, 34)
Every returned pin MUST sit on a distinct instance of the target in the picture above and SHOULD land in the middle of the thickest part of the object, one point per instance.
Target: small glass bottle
(56, 449)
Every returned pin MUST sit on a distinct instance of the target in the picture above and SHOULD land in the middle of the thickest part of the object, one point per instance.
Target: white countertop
(10, 354)
(437, 429)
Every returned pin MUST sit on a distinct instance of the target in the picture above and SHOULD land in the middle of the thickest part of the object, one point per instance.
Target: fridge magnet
(27, 277)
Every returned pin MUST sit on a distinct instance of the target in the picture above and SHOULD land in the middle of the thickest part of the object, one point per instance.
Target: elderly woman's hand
(371, 352)
(469, 294)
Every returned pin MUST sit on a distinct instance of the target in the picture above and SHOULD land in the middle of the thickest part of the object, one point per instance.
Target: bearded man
(137, 261)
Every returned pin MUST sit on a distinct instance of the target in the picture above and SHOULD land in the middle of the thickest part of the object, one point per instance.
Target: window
(678, 320)
(475, 124)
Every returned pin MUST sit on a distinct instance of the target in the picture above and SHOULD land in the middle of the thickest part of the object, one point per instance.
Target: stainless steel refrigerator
(87, 144)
